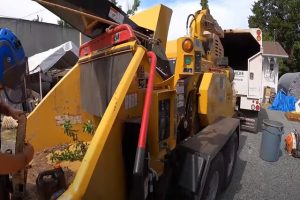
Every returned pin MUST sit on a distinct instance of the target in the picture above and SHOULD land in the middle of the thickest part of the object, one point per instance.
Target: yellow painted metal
(206, 65)
(97, 177)
(158, 149)
(102, 172)
(182, 69)
(109, 52)
(203, 90)
(196, 29)
(171, 49)
(62, 101)
(205, 22)
(215, 98)
(156, 19)
(215, 92)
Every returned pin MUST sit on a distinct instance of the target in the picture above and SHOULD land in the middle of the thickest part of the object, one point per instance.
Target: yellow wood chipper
(164, 110)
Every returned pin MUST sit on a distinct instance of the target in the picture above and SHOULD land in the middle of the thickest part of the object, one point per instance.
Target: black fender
(194, 155)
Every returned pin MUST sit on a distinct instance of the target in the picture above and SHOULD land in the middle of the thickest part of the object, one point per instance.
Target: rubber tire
(217, 165)
(227, 150)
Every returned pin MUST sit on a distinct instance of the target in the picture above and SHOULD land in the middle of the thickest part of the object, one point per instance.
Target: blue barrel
(270, 140)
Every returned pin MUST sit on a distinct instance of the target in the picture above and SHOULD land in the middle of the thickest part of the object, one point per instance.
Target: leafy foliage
(134, 7)
(77, 150)
(88, 127)
(38, 19)
(131, 9)
(204, 4)
(69, 131)
(280, 19)
(62, 23)
(70, 154)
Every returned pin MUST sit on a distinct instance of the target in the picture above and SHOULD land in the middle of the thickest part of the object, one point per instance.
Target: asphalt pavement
(260, 180)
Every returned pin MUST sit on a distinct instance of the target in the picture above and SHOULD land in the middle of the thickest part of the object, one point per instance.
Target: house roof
(273, 49)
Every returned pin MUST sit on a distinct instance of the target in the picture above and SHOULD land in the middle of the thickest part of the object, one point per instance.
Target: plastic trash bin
(270, 140)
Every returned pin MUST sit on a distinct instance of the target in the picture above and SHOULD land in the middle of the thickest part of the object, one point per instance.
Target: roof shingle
(273, 49)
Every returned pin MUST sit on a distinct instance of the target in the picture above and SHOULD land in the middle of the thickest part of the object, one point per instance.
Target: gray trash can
(270, 140)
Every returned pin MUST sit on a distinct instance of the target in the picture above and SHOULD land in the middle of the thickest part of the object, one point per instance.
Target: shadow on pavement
(240, 165)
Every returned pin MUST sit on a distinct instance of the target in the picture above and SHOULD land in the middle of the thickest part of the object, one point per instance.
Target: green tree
(131, 9)
(134, 7)
(280, 19)
(62, 23)
(204, 4)
(38, 19)
(114, 2)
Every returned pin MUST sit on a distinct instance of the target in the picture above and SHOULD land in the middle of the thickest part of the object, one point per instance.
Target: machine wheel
(214, 180)
(230, 155)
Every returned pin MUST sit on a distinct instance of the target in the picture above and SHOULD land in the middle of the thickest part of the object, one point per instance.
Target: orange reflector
(187, 45)
(258, 38)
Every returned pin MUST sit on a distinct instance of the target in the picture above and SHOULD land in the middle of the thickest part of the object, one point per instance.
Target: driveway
(257, 179)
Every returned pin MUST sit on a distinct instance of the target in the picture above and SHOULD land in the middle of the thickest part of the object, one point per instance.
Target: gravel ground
(39, 163)
(8, 140)
(255, 179)
(260, 180)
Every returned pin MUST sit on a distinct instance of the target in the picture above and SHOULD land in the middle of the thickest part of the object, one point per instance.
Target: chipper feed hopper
(165, 126)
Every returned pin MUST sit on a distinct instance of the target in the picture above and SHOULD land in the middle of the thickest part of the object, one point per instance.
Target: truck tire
(230, 155)
(214, 179)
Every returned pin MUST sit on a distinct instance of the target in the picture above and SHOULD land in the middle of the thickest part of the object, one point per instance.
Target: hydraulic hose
(187, 21)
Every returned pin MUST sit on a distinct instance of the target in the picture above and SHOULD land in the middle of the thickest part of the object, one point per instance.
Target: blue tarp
(283, 102)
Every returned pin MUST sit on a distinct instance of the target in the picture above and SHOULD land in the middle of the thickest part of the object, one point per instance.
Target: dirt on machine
(163, 111)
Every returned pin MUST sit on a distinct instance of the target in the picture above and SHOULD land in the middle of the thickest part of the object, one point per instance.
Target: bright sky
(229, 13)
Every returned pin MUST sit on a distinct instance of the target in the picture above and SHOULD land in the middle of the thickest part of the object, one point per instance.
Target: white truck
(254, 70)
